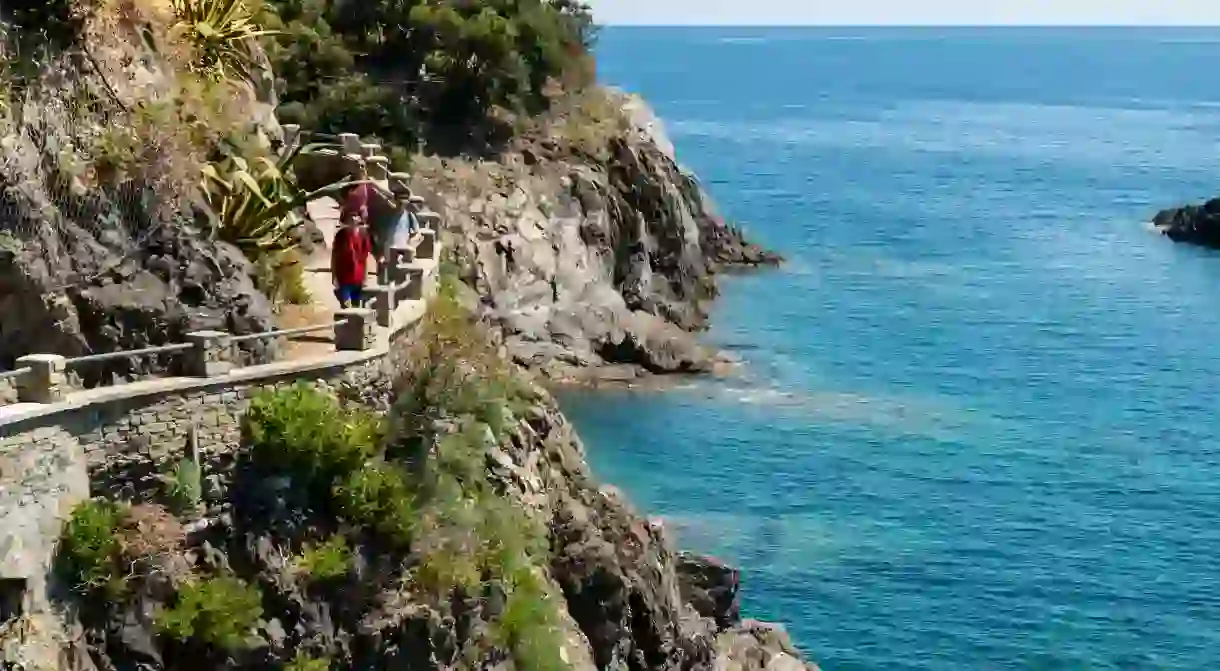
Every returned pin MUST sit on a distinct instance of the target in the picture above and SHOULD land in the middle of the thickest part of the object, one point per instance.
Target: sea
(975, 426)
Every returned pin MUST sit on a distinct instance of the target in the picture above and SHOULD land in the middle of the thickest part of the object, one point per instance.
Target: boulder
(1197, 224)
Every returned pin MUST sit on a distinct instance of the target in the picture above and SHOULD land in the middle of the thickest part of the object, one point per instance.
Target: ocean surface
(977, 423)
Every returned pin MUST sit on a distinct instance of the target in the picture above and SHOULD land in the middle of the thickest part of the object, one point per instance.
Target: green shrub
(89, 548)
(219, 612)
(328, 561)
(379, 496)
(184, 487)
(307, 433)
(304, 662)
(529, 626)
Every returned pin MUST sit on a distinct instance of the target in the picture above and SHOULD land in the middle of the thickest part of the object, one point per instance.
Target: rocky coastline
(599, 264)
(590, 253)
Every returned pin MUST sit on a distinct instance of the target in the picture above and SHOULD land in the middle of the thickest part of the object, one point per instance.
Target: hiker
(349, 256)
(403, 218)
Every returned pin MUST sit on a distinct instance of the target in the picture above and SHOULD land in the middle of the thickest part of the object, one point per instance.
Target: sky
(907, 12)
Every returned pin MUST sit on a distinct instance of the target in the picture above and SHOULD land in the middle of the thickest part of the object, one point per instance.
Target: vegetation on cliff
(392, 513)
(425, 71)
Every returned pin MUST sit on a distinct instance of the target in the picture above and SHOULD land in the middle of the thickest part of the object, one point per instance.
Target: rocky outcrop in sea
(1196, 224)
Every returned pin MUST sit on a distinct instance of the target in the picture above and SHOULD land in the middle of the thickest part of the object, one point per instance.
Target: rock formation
(98, 251)
(629, 601)
(1197, 224)
(597, 263)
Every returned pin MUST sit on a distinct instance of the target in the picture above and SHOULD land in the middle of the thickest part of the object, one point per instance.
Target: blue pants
(350, 295)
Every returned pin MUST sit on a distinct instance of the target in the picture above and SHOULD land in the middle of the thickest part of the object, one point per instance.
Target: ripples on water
(977, 425)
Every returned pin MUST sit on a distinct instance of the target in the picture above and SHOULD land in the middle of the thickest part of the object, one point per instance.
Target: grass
(305, 432)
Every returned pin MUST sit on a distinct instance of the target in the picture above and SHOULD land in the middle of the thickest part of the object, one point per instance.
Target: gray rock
(1197, 224)
(710, 587)
(590, 262)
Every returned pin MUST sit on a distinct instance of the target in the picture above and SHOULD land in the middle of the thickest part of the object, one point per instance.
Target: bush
(184, 487)
(89, 548)
(219, 612)
(223, 33)
(379, 496)
(307, 433)
(282, 278)
(328, 561)
(529, 625)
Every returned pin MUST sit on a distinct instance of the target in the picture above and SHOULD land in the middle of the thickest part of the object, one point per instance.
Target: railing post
(211, 354)
(414, 283)
(354, 330)
(427, 244)
(379, 167)
(383, 303)
(396, 259)
(45, 382)
(350, 143)
(351, 164)
(370, 149)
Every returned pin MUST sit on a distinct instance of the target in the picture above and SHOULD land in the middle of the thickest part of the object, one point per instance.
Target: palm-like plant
(254, 204)
(224, 32)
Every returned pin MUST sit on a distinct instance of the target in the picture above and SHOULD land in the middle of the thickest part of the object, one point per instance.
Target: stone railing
(60, 444)
(44, 378)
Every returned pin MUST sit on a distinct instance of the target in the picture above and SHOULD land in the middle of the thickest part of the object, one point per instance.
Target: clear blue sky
(907, 12)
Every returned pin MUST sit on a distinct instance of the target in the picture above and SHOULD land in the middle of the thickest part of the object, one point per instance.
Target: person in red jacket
(349, 257)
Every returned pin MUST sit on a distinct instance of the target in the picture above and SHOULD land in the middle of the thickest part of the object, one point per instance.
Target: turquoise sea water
(977, 428)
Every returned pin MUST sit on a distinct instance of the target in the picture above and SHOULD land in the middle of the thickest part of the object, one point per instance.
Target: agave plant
(254, 204)
(224, 32)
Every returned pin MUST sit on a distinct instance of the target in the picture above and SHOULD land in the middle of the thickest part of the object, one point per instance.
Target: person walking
(350, 252)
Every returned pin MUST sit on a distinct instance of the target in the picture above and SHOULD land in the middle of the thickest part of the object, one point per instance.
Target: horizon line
(907, 25)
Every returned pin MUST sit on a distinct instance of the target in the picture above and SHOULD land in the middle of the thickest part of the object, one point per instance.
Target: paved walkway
(325, 214)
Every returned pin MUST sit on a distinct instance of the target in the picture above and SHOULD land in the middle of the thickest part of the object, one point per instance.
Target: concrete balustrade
(379, 167)
(350, 143)
(46, 382)
(354, 330)
(413, 282)
(212, 354)
(427, 245)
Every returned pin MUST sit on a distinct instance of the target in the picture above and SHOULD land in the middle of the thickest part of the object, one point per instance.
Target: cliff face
(588, 248)
(593, 249)
(96, 254)
(623, 598)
